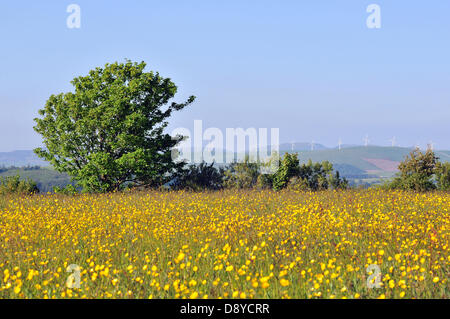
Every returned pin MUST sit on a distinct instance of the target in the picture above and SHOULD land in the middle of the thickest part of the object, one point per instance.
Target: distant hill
(21, 158)
(443, 155)
(372, 160)
(45, 178)
(300, 146)
(365, 158)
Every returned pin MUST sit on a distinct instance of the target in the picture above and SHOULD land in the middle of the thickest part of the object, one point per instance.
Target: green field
(45, 178)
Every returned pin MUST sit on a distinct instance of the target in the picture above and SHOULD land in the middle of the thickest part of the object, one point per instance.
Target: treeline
(290, 174)
(421, 172)
(4, 168)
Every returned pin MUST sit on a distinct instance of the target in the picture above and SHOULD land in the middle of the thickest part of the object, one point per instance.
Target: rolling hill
(45, 177)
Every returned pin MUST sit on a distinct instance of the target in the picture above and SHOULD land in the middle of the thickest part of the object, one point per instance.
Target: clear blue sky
(311, 68)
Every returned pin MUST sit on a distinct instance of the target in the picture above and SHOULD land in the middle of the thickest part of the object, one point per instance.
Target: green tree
(337, 182)
(316, 175)
(200, 177)
(443, 176)
(241, 174)
(264, 181)
(310, 176)
(288, 168)
(109, 132)
(416, 172)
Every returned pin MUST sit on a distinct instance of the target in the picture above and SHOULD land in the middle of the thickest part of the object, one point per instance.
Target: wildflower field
(226, 244)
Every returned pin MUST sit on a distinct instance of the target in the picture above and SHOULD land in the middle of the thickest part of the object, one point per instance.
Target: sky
(313, 68)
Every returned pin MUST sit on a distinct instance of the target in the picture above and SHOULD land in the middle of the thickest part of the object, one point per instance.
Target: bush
(14, 185)
(337, 182)
(416, 172)
(241, 175)
(264, 181)
(443, 176)
(310, 176)
(68, 190)
(298, 184)
(288, 168)
(199, 177)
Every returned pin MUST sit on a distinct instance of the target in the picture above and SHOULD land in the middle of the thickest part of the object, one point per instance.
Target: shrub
(443, 176)
(14, 185)
(200, 177)
(298, 184)
(288, 168)
(416, 172)
(67, 190)
(241, 175)
(337, 182)
(264, 181)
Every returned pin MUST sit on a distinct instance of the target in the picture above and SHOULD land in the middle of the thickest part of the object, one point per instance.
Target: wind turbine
(312, 145)
(366, 140)
(393, 141)
(431, 146)
(340, 143)
(292, 146)
(417, 146)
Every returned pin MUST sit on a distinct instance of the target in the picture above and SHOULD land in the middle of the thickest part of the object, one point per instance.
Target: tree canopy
(109, 132)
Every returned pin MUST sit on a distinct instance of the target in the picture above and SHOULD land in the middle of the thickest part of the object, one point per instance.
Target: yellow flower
(391, 284)
(180, 257)
(436, 279)
(284, 282)
(193, 295)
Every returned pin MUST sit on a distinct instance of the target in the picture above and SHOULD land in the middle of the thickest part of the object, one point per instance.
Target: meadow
(226, 244)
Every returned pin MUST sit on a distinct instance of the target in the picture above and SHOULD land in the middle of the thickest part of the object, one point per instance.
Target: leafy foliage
(200, 177)
(14, 185)
(310, 176)
(46, 178)
(288, 168)
(109, 131)
(443, 176)
(337, 182)
(67, 190)
(241, 175)
(416, 172)
(264, 181)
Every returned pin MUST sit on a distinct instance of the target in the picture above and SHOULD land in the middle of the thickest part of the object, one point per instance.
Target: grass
(249, 244)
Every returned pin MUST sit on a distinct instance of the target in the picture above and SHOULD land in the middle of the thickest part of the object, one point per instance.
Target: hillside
(370, 159)
(46, 178)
